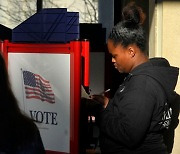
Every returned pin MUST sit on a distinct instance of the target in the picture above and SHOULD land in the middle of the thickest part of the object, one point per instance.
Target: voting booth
(46, 80)
(47, 64)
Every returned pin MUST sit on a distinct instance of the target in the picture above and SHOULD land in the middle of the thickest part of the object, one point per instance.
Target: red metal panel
(75, 95)
(85, 54)
(5, 51)
(36, 47)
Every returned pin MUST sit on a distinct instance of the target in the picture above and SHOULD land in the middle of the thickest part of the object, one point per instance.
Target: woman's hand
(101, 99)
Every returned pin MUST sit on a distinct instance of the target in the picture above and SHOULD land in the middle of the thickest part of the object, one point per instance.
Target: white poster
(41, 84)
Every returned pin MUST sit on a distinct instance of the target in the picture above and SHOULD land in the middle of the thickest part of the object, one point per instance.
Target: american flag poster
(41, 84)
(36, 87)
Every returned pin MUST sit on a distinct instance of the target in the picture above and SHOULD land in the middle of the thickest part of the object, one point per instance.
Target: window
(14, 12)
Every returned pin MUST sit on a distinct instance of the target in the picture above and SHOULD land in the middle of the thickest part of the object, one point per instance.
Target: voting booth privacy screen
(46, 80)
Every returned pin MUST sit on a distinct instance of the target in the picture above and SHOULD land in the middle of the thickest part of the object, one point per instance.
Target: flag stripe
(39, 82)
(37, 89)
(37, 97)
(43, 95)
(39, 77)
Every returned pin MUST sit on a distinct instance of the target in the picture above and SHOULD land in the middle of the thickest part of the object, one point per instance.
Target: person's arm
(127, 118)
(101, 99)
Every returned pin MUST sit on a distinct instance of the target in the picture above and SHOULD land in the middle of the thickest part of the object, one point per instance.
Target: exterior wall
(171, 31)
(106, 17)
(164, 32)
(171, 46)
(165, 42)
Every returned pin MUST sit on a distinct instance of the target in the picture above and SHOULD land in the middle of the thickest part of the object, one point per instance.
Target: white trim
(151, 28)
(159, 28)
(156, 28)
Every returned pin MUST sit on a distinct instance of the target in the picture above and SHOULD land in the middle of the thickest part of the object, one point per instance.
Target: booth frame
(77, 50)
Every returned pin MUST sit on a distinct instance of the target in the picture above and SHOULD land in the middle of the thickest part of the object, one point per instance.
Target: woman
(18, 133)
(132, 121)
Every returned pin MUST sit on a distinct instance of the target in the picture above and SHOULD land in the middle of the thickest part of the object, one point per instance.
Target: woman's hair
(15, 126)
(130, 30)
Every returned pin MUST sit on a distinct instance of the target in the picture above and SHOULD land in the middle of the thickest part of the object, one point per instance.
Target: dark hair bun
(133, 15)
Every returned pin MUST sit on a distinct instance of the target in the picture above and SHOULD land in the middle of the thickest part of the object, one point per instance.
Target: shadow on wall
(170, 133)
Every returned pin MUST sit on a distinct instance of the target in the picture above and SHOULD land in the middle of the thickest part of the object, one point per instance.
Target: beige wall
(171, 46)
(165, 40)
(171, 34)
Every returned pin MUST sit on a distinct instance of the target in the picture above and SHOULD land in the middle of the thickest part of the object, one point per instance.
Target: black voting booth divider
(46, 45)
(48, 26)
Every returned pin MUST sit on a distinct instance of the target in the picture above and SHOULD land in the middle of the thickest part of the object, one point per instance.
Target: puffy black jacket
(131, 123)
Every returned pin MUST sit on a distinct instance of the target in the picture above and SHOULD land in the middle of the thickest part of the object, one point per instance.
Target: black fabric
(89, 107)
(169, 134)
(130, 122)
(33, 146)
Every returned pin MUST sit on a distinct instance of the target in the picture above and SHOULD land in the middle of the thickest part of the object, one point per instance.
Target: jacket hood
(161, 71)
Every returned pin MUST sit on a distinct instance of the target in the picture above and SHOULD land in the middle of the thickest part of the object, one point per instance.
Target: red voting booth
(42, 59)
